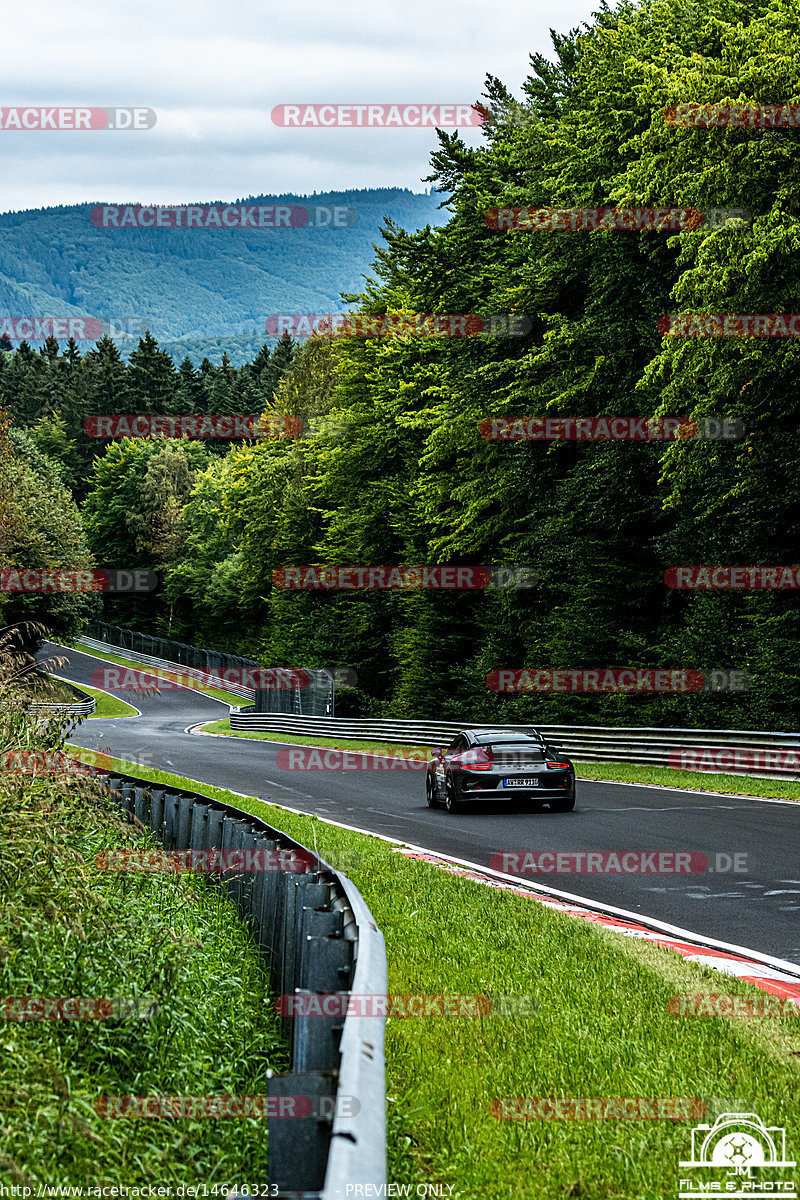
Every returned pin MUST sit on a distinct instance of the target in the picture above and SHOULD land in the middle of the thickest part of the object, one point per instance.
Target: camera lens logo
(737, 1143)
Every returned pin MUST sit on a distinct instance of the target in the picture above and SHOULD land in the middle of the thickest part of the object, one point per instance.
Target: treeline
(52, 391)
(403, 475)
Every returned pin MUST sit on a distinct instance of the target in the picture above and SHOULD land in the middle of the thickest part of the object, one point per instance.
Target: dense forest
(401, 473)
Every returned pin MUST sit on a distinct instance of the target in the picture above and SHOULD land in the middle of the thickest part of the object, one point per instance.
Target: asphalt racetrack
(758, 908)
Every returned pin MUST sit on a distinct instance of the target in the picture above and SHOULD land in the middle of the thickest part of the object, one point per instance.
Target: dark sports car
(497, 764)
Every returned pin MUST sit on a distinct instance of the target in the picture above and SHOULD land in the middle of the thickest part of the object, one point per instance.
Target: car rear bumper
(474, 791)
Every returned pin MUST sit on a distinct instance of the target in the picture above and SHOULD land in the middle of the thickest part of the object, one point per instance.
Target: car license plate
(530, 782)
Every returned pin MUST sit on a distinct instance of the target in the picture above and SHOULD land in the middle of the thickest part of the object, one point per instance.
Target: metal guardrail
(317, 935)
(79, 708)
(586, 743)
(208, 679)
(317, 698)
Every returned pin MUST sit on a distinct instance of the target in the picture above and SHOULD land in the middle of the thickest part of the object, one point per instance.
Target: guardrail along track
(75, 708)
(586, 743)
(317, 697)
(317, 935)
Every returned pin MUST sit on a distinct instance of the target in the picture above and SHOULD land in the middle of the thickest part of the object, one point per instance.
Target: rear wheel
(430, 795)
(451, 804)
(565, 805)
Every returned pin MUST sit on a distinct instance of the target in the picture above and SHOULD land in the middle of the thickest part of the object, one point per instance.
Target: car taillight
(476, 760)
(556, 766)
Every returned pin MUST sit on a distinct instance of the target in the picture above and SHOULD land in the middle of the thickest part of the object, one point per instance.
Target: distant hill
(200, 291)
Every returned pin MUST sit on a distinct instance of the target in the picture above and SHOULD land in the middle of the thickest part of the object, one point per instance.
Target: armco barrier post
(266, 911)
(303, 890)
(214, 834)
(282, 926)
(316, 1040)
(157, 813)
(297, 1150)
(251, 841)
(198, 829)
(238, 834)
(127, 793)
(170, 821)
(141, 806)
(183, 831)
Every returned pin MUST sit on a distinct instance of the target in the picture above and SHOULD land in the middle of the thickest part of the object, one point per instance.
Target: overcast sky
(213, 71)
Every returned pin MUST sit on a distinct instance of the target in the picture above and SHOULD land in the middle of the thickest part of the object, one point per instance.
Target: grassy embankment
(601, 1028)
(68, 929)
(59, 692)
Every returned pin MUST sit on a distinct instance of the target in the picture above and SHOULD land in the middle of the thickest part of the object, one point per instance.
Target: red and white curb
(730, 961)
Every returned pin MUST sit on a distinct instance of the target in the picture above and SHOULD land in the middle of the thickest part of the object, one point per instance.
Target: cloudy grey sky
(213, 71)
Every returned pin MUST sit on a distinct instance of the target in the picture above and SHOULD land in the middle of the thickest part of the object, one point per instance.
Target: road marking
(676, 808)
(664, 787)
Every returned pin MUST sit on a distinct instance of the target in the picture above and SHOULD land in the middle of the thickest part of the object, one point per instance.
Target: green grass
(57, 690)
(107, 705)
(601, 1028)
(68, 929)
(107, 656)
(224, 727)
(781, 789)
(747, 785)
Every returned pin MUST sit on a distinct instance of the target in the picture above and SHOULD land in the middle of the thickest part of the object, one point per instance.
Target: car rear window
(516, 751)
